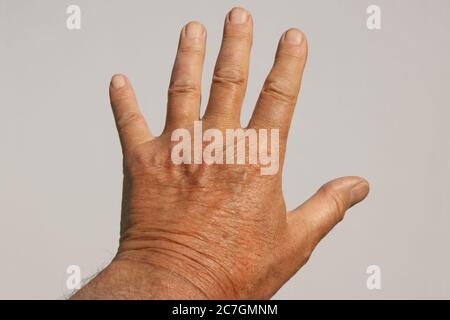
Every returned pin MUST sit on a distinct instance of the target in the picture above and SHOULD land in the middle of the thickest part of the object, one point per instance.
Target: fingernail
(359, 192)
(238, 15)
(118, 81)
(194, 30)
(293, 36)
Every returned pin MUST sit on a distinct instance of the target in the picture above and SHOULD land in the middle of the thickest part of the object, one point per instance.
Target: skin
(214, 231)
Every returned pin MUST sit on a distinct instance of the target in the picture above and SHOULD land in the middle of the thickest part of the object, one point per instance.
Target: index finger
(278, 97)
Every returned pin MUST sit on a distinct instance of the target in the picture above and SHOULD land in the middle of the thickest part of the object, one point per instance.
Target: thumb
(311, 221)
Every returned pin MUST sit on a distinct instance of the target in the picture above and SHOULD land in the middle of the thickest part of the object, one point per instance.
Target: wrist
(133, 279)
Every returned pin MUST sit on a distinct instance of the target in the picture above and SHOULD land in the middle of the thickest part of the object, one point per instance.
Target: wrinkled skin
(216, 231)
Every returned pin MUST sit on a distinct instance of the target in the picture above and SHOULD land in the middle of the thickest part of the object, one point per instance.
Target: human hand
(214, 230)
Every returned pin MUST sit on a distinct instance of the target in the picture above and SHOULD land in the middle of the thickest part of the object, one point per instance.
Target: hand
(214, 230)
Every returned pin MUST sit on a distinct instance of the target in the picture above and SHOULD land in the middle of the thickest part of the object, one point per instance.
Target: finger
(278, 97)
(310, 222)
(185, 84)
(231, 71)
(131, 125)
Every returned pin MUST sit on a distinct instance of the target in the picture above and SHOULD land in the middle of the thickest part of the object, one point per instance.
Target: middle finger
(230, 74)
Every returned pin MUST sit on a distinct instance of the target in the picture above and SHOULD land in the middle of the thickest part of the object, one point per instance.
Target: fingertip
(293, 36)
(238, 15)
(118, 81)
(294, 43)
(356, 188)
(194, 30)
(359, 192)
(312, 220)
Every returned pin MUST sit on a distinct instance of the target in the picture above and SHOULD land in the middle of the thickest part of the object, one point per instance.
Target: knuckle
(306, 256)
(143, 160)
(191, 50)
(279, 90)
(237, 33)
(184, 88)
(140, 159)
(241, 40)
(337, 203)
(128, 118)
(230, 75)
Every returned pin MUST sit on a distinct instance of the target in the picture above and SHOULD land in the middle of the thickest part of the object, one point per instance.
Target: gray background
(374, 103)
